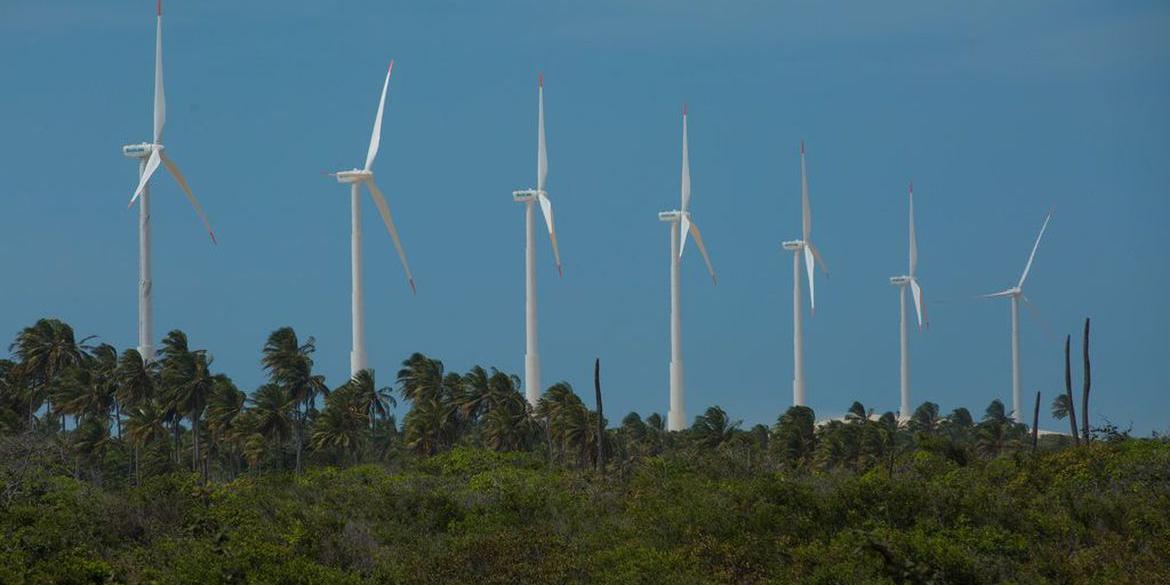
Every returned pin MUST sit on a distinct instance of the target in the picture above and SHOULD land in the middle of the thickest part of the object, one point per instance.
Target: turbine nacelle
(527, 195)
(901, 280)
(672, 216)
(793, 245)
(353, 176)
(140, 151)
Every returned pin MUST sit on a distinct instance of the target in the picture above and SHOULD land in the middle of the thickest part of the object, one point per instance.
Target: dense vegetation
(114, 470)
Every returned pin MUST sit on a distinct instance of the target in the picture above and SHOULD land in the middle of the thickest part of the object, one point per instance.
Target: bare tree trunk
(1088, 384)
(1072, 411)
(600, 415)
(1036, 423)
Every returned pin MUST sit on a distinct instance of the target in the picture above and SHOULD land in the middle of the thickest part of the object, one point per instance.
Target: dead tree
(1036, 423)
(1088, 383)
(1072, 411)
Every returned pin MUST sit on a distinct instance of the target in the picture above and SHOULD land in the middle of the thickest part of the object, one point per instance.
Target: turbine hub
(353, 176)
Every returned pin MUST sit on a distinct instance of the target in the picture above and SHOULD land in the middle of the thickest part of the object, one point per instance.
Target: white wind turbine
(532, 387)
(903, 282)
(802, 247)
(149, 156)
(1016, 293)
(676, 418)
(355, 178)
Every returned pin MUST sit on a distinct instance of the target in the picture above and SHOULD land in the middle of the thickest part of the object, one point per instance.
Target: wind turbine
(532, 388)
(149, 156)
(1016, 293)
(802, 247)
(676, 418)
(355, 178)
(903, 282)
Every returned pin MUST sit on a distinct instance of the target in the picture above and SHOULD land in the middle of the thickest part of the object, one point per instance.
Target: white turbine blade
(174, 169)
(805, 212)
(694, 229)
(916, 290)
(1003, 293)
(160, 100)
(541, 148)
(151, 166)
(809, 263)
(384, 210)
(913, 241)
(817, 256)
(684, 227)
(546, 209)
(376, 135)
(686, 170)
(1031, 256)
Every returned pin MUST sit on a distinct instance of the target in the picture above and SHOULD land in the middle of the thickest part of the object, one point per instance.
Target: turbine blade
(546, 209)
(174, 170)
(384, 210)
(817, 255)
(151, 167)
(694, 229)
(805, 211)
(160, 100)
(684, 227)
(913, 239)
(686, 170)
(916, 290)
(1003, 293)
(809, 262)
(1035, 311)
(376, 135)
(541, 147)
(1028, 266)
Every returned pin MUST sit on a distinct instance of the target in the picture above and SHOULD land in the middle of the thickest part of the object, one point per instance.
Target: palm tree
(145, 423)
(271, 415)
(45, 350)
(433, 420)
(224, 408)
(926, 419)
(343, 423)
(794, 436)
(137, 379)
(289, 364)
(713, 428)
(175, 369)
(190, 398)
(373, 401)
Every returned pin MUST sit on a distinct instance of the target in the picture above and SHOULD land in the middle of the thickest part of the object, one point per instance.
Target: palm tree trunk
(195, 441)
(1072, 411)
(1088, 383)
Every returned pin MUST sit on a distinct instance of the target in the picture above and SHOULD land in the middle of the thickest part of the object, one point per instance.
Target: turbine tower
(1016, 294)
(802, 247)
(903, 282)
(532, 388)
(149, 156)
(355, 178)
(676, 417)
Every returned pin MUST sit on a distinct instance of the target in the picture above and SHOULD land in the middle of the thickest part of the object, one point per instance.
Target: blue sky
(997, 110)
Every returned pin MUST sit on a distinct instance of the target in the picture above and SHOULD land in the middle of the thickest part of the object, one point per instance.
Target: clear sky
(998, 111)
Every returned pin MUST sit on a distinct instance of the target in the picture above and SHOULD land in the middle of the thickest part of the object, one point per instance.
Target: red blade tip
(413, 291)
(159, 7)
(801, 146)
(684, 108)
(213, 240)
(540, 79)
